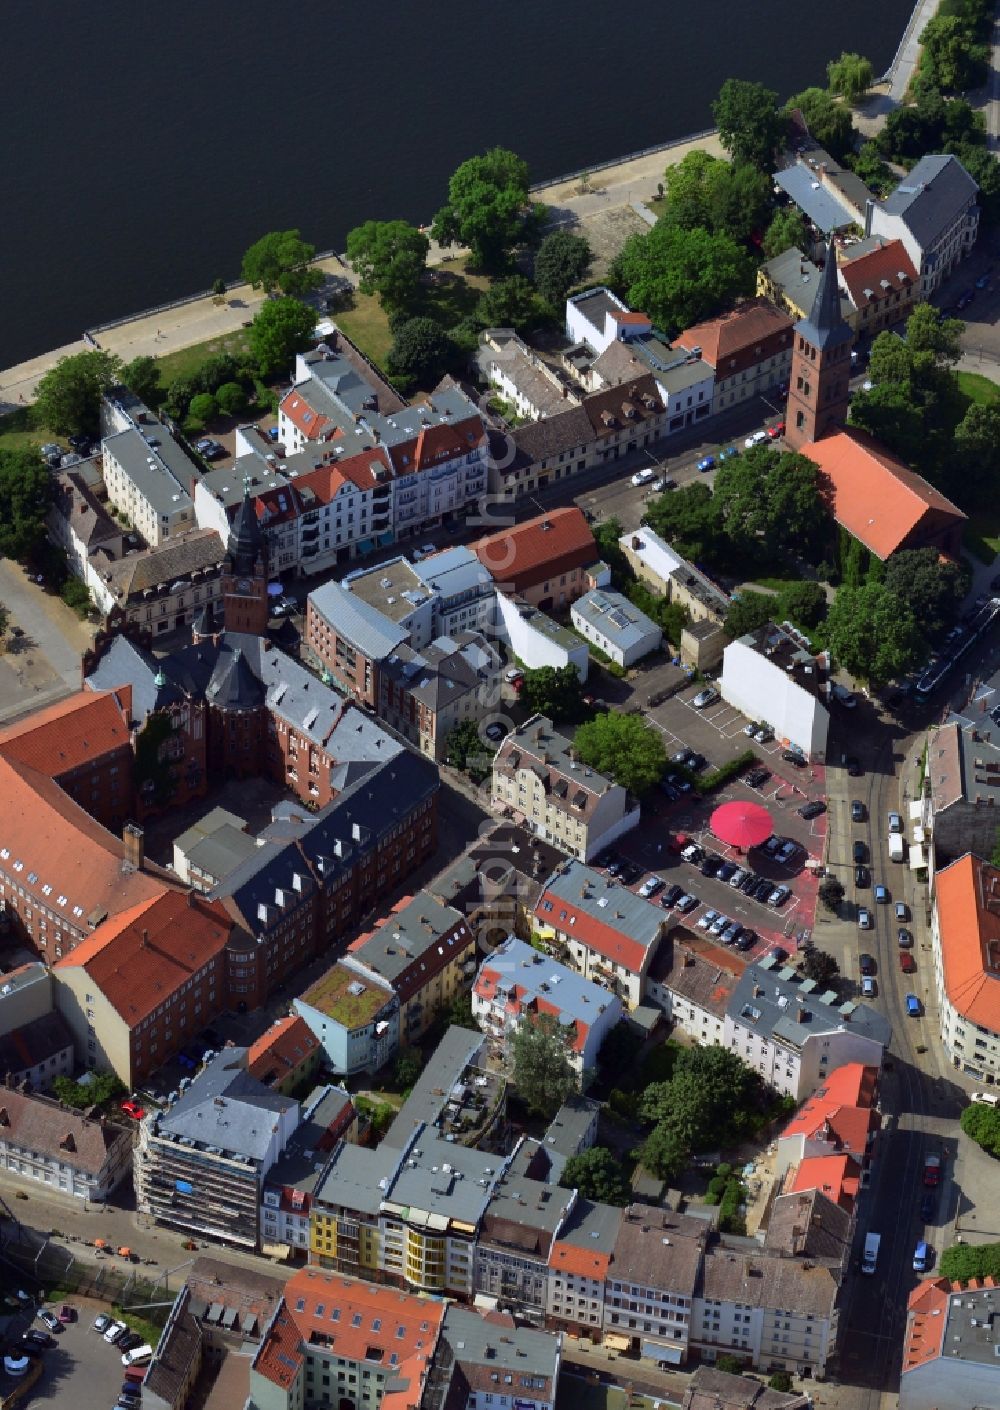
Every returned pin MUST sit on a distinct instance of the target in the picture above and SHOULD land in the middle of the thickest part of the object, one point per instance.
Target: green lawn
(16, 432)
(982, 536)
(978, 388)
(188, 360)
(365, 323)
(777, 584)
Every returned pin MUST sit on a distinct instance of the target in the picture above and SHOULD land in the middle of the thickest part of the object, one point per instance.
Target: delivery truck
(870, 1257)
(897, 847)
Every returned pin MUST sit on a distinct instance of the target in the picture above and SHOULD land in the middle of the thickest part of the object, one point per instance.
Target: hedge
(963, 1262)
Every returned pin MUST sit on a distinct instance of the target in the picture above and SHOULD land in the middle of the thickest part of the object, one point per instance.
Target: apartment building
(201, 1164)
(653, 561)
(615, 626)
(934, 213)
(538, 779)
(79, 522)
(34, 1055)
(965, 941)
(831, 197)
(839, 1117)
(334, 1340)
(878, 284)
(354, 1017)
(424, 695)
(147, 475)
(795, 1037)
(328, 1116)
(41, 1140)
(516, 983)
(158, 590)
(144, 983)
(950, 1346)
(606, 931)
(693, 982)
(536, 639)
(525, 383)
(772, 675)
(489, 1361)
(286, 1056)
(749, 349)
(652, 1282)
(963, 771)
(515, 1239)
(542, 560)
(579, 1264)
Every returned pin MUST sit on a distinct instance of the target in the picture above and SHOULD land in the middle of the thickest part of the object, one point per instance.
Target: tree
(732, 198)
(781, 1380)
(597, 1175)
(931, 586)
(747, 612)
(510, 303)
(219, 288)
(982, 1124)
(665, 1152)
(389, 258)
(25, 496)
(831, 893)
(76, 594)
(142, 377)
(281, 260)
(421, 353)
(951, 56)
(963, 1262)
(795, 511)
(231, 397)
(625, 748)
(464, 749)
(984, 169)
(709, 1100)
(407, 1068)
(562, 261)
(977, 450)
(203, 408)
(731, 1365)
(869, 165)
(487, 207)
(543, 1074)
(740, 491)
(873, 634)
(850, 76)
(829, 121)
(68, 399)
(620, 1049)
(802, 603)
(553, 691)
(690, 519)
(680, 276)
(279, 330)
(787, 231)
(749, 121)
(818, 965)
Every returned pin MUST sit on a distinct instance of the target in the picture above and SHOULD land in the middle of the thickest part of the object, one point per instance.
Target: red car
(776, 430)
(133, 1109)
(907, 963)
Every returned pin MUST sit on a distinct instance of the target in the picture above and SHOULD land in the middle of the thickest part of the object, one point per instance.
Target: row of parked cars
(759, 888)
(135, 1350)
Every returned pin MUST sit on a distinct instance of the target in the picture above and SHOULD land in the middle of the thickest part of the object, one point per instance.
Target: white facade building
(615, 626)
(537, 640)
(933, 211)
(965, 930)
(770, 676)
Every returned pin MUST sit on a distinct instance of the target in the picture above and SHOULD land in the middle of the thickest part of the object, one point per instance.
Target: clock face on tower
(244, 587)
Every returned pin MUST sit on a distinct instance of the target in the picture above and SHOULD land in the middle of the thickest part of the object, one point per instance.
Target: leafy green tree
(690, 519)
(984, 169)
(142, 377)
(963, 1262)
(68, 398)
(665, 1152)
(709, 1100)
(977, 450)
(231, 398)
(597, 1175)
(982, 1124)
(732, 1365)
(543, 1074)
(76, 594)
(281, 260)
(680, 276)
(81, 1095)
(818, 965)
(828, 120)
(930, 332)
(873, 634)
(748, 612)
(465, 750)
(831, 892)
(802, 603)
(203, 408)
(407, 1068)
(625, 748)
(25, 497)
(952, 57)
(620, 1049)
(389, 258)
(511, 303)
(932, 587)
(872, 169)
(215, 371)
(553, 691)
(218, 287)
(606, 536)
(796, 515)
(279, 330)
(749, 121)
(487, 207)
(850, 76)
(731, 198)
(740, 495)
(421, 353)
(562, 262)
(786, 231)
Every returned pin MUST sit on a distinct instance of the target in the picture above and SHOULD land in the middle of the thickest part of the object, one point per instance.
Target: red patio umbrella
(742, 825)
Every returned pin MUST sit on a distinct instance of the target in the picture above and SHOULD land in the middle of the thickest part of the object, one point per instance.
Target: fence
(620, 161)
(52, 1266)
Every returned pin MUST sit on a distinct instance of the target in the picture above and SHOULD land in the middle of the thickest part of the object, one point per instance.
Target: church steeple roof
(245, 536)
(825, 327)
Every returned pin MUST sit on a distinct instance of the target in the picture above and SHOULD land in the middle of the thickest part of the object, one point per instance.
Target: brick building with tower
(819, 386)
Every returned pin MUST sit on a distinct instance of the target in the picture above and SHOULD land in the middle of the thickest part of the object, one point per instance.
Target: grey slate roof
(825, 327)
(124, 663)
(34, 1043)
(773, 1002)
(528, 1351)
(356, 1174)
(593, 1226)
(444, 1180)
(456, 1051)
(570, 1125)
(817, 201)
(405, 935)
(616, 617)
(931, 196)
(302, 1165)
(164, 483)
(365, 627)
(227, 1108)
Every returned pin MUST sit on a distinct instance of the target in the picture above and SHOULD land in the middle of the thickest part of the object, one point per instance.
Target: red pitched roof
(281, 1049)
(311, 423)
(76, 731)
(926, 1322)
(968, 904)
(531, 553)
(836, 1176)
(584, 1262)
(445, 440)
(875, 496)
(592, 933)
(139, 958)
(863, 277)
(747, 334)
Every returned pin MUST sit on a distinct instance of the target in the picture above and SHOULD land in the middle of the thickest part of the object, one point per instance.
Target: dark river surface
(145, 144)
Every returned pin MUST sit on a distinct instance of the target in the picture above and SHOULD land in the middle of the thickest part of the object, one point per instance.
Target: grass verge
(982, 537)
(187, 360)
(978, 388)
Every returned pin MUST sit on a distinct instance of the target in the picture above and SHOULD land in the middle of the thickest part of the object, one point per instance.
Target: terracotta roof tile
(74, 732)
(862, 277)
(737, 335)
(836, 1176)
(531, 553)
(40, 1124)
(584, 1262)
(927, 1319)
(146, 953)
(281, 1049)
(875, 496)
(968, 906)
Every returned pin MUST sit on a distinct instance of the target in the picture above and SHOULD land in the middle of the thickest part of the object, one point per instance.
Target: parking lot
(80, 1370)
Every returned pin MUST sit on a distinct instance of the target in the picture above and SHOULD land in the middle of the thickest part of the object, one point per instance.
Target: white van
(897, 847)
(137, 1355)
(870, 1257)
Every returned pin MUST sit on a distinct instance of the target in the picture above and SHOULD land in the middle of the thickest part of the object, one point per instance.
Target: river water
(145, 144)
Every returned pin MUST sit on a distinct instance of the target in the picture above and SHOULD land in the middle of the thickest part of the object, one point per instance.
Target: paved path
(46, 665)
(992, 106)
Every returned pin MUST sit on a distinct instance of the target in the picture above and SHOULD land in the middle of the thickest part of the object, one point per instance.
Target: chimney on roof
(145, 939)
(67, 1143)
(133, 840)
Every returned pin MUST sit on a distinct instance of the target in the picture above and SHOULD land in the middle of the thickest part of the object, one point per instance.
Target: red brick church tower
(244, 574)
(818, 389)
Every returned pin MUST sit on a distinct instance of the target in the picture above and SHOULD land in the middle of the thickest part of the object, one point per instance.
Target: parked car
(788, 849)
(732, 932)
(693, 853)
(737, 879)
(718, 925)
(747, 940)
(864, 918)
(904, 938)
(49, 1319)
(928, 1207)
(756, 439)
(811, 809)
(932, 1171)
(779, 896)
(866, 963)
(859, 851)
(697, 762)
(686, 904)
(895, 822)
(882, 895)
(914, 1008)
(66, 1313)
(857, 811)
(756, 778)
(776, 431)
(705, 697)
(729, 453)
(40, 1340)
(921, 1257)
(794, 756)
(495, 732)
(763, 734)
(706, 463)
(707, 920)
(763, 889)
(906, 962)
(643, 477)
(101, 1323)
(749, 883)
(868, 987)
(513, 674)
(114, 1330)
(862, 878)
(772, 845)
(650, 886)
(726, 871)
(671, 896)
(902, 911)
(132, 1108)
